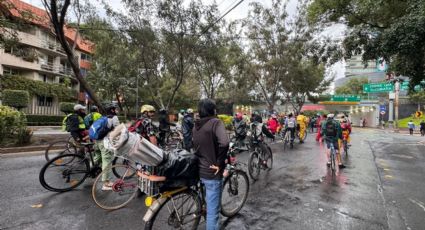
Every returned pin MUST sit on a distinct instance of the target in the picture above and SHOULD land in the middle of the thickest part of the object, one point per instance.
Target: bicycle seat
(87, 144)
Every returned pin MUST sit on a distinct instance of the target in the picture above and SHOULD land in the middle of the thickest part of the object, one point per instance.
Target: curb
(21, 154)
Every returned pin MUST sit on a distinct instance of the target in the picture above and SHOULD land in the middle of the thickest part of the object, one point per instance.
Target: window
(85, 57)
(83, 72)
(10, 71)
(45, 101)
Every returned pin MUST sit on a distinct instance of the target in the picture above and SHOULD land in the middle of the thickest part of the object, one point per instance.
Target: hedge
(45, 120)
(15, 98)
(66, 107)
(38, 88)
(12, 122)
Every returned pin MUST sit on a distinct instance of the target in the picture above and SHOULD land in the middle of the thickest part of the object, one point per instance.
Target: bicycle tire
(59, 148)
(333, 163)
(254, 165)
(345, 147)
(123, 190)
(163, 220)
(234, 191)
(116, 161)
(60, 161)
(269, 158)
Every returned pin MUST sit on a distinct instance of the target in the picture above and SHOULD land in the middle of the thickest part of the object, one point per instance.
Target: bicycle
(333, 158)
(261, 158)
(66, 172)
(59, 148)
(286, 139)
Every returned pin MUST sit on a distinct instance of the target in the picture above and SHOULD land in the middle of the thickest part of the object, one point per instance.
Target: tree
(57, 13)
(393, 30)
(353, 86)
(417, 97)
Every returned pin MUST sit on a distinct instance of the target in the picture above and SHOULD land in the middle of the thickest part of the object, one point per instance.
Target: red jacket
(272, 124)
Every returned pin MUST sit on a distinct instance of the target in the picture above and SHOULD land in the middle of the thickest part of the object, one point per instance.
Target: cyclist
(290, 124)
(240, 129)
(103, 155)
(74, 123)
(272, 124)
(180, 117)
(302, 122)
(346, 129)
(164, 125)
(146, 128)
(319, 136)
(92, 116)
(187, 127)
(211, 143)
(411, 126)
(331, 131)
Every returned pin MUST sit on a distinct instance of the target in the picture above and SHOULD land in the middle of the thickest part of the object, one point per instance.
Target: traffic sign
(348, 98)
(378, 87)
(382, 108)
(382, 112)
(418, 114)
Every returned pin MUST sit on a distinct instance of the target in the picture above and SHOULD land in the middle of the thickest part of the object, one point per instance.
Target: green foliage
(38, 88)
(12, 123)
(322, 97)
(417, 97)
(40, 120)
(393, 30)
(354, 87)
(310, 113)
(66, 107)
(227, 120)
(15, 98)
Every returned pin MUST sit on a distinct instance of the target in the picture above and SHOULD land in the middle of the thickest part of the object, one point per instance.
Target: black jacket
(240, 127)
(211, 144)
(187, 125)
(164, 124)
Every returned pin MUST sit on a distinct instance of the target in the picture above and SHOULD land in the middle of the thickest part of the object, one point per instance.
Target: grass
(403, 122)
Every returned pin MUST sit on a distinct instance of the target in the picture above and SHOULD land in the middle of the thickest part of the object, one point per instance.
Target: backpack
(330, 129)
(99, 129)
(291, 123)
(66, 123)
(134, 127)
(88, 120)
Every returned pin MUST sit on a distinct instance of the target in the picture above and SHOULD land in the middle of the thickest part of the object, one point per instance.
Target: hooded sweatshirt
(211, 144)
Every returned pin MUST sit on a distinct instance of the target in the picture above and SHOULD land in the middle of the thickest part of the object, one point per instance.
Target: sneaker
(107, 186)
(328, 164)
(341, 166)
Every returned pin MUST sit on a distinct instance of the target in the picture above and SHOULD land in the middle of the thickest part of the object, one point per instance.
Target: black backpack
(330, 128)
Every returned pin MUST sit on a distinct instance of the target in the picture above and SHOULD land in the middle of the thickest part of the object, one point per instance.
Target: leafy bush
(16, 98)
(227, 120)
(12, 122)
(66, 107)
(38, 88)
(38, 120)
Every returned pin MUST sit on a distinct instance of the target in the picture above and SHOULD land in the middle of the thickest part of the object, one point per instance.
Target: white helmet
(189, 110)
(78, 107)
(331, 115)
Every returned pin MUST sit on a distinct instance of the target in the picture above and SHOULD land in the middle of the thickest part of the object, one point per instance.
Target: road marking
(388, 176)
(420, 204)
(385, 169)
(402, 156)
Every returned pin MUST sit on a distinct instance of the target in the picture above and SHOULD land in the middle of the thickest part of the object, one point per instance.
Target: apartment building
(40, 57)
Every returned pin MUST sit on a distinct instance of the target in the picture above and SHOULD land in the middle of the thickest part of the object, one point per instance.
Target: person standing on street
(164, 126)
(211, 144)
(187, 126)
(240, 130)
(302, 122)
(422, 126)
(411, 126)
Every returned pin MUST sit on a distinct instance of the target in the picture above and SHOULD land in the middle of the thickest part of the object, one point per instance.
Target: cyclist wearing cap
(74, 123)
(146, 129)
(187, 127)
(290, 125)
(346, 129)
(103, 155)
(331, 131)
(240, 129)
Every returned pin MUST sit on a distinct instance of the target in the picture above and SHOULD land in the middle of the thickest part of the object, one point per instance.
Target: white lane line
(402, 156)
(420, 204)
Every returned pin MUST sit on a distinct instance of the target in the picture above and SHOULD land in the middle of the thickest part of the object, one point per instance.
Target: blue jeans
(213, 199)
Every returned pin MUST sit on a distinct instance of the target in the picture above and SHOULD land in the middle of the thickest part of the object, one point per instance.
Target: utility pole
(397, 90)
(137, 95)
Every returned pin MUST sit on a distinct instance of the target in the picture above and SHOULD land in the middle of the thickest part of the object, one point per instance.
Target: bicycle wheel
(124, 188)
(305, 135)
(121, 161)
(181, 211)
(254, 165)
(235, 193)
(173, 140)
(268, 157)
(345, 147)
(59, 148)
(333, 163)
(64, 172)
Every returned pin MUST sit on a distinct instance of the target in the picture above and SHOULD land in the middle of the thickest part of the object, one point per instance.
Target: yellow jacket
(302, 120)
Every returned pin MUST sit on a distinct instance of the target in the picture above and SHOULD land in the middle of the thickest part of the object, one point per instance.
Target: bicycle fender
(154, 208)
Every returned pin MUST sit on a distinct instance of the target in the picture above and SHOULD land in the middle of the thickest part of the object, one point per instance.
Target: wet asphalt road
(381, 188)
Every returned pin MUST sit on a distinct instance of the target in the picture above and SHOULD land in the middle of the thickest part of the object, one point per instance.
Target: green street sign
(378, 87)
(350, 98)
(404, 85)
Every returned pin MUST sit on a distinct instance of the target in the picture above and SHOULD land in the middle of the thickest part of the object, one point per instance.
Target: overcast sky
(241, 11)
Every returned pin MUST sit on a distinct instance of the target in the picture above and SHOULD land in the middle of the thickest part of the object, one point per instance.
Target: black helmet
(93, 109)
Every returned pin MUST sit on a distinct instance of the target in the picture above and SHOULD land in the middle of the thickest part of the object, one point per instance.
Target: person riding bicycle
(146, 128)
(187, 127)
(211, 144)
(319, 136)
(93, 116)
(302, 122)
(290, 125)
(164, 125)
(240, 129)
(331, 131)
(346, 129)
(180, 117)
(74, 124)
(103, 155)
(272, 124)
